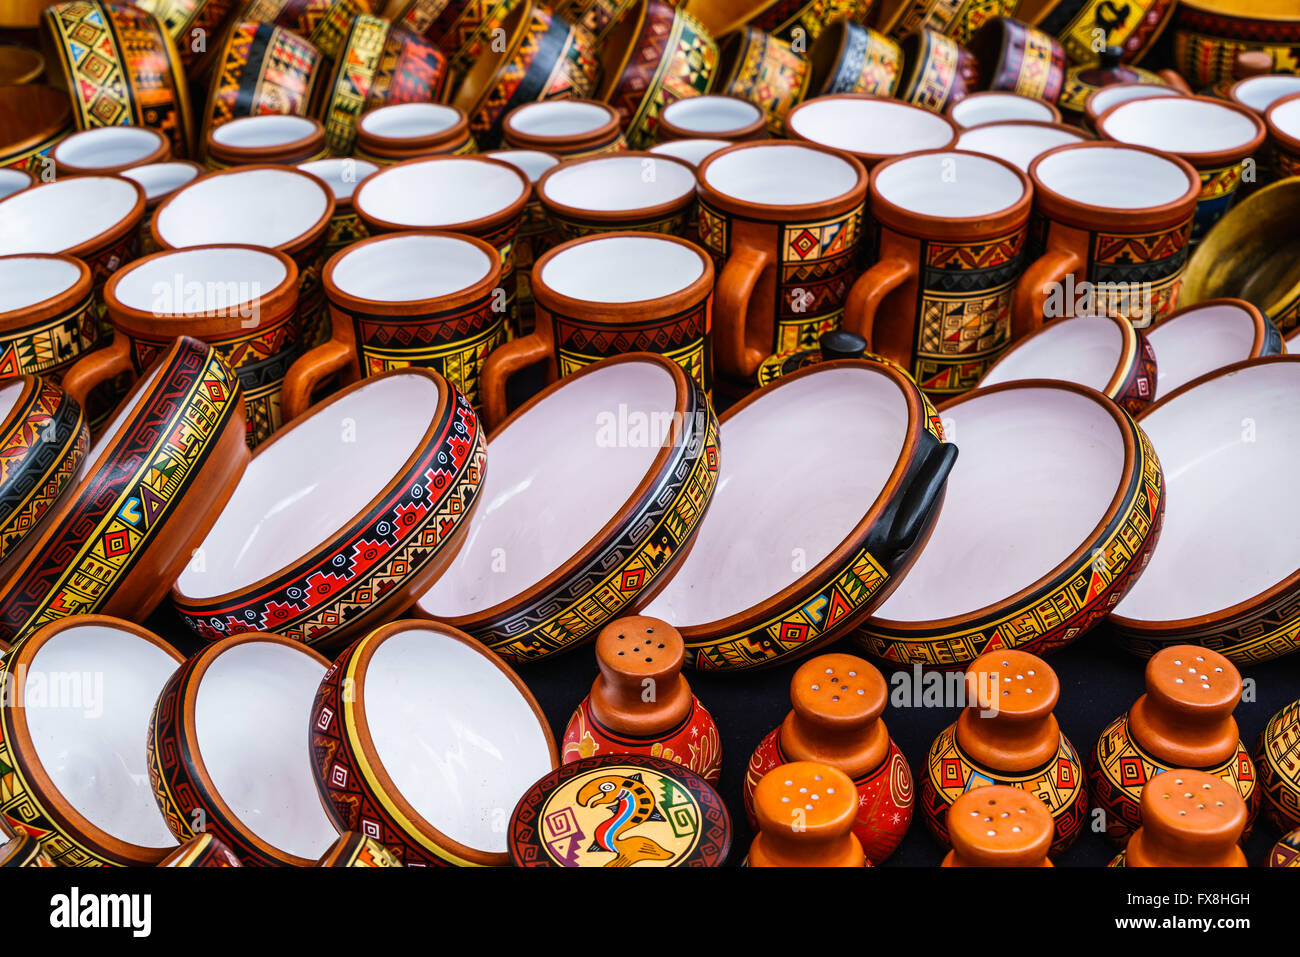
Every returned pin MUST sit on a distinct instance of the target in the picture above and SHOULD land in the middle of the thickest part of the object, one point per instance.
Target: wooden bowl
(424, 740)
(78, 779)
(319, 554)
(226, 754)
(1206, 336)
(1060, 495)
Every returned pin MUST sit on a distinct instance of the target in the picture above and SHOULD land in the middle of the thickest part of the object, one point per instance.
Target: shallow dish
(1207, 336)
(424, 740)
(1051, 515)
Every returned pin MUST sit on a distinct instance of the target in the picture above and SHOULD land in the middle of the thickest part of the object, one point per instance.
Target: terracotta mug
(1017, 58)
(714, 116)
(402, 131)
(535, 233)
(640, 191)
(848, 57)
(570, 129)
(104, 150)
(12, 180)
(48, 318)
(997, 106)
(342, 175)
(406, 299)
(871, 128)
(764, 70)
(607, 295)
(937, 70)
(160, 180)
(1114, 224)
(266, 138)
(782, 222)
(951, 248)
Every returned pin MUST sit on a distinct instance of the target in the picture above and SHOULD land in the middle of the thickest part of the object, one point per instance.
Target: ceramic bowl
(424, 740)
(1283, 121)
(1258, 93)
(1222, 438)
(13, 180)
(712, 116)
(613, 192)
(691, 152)
(838, 531)
(1078, 509)
(871, 128)
(594, 517)
(316, 553)
(202, 851)
(226, 754)
(996, 106)
(143, 498)
(1208, 34)
(848, 57)
(1100, 100)
(109, 149)
(49, 317)
(1102, 352)
(402, 131)
(570, 129)
(342, 176)
(160, 180)
(22, 850)
(76, 775)
(33, 118)
(354, 849)
(43, 441)
(1206, 336)
(265, 138)
(1019, 142)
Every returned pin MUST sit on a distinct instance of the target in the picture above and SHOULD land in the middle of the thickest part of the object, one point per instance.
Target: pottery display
(800, 20)
(805, 812)
(993, 106)
(998, 825)
(764, 70)
(342, 176)
(186, 20)
(103, 150)
(1197, 431)
(1277, 756)
(353, 849)
(323, 23)
(1132, 30)
(1210, 34)
(408, 691)
(1189, 819)
(1066, 542)
(1015, 57)
(871, 128)
(33, 118)
(568, 129)
(1018, 142)
(204, 850)
(460, 29)
(837, 703)
(712, 116)
(1206, 336)
(320, 555)
(848, 57)
(160, 180)
(48, 314)
(266, 138)
(620, 810)
(617, 192)
(638, 655)
(1006, 734)
(937, 70)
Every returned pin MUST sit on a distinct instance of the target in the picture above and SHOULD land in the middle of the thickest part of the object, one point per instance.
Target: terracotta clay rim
(1157, 630)
(291, 152)
(956, 228)
(358, 662)
(22, 655)
(159, 154)
(1256, 318)
(1071, 212)
(1127, 360)
(187, 740)
(413, 307)
(614, 216)
(869, 159)
(55, 305)
(57, 99)
(151, 204)
(1091, 114)
(89, 247)
(402, 147)
(293, 245)
(617, 524)
(480, 226)
(1209, 160)
(1081, 555)
(1289, 141)
(1234, 94)
(1054, 121)
(756, 130)
(766, 212)
(606, 132)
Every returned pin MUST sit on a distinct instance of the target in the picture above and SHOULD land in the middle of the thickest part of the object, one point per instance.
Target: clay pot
(764, 70)
(1279, 771)
(1283, 122)
(848, 57)
(1089, 102)
(899, 18)
(999, 826)
(109, 149)
(805, 812)
(804, 19)
(1018, 58)
(33, 118)
(1076, 22)
(617, 192)
(1189, 819)
(1286, 852)
(937, 70)
(1206, 336)
(1209, 34)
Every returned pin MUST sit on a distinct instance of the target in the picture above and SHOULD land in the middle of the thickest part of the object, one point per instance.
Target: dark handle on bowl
(920, 497)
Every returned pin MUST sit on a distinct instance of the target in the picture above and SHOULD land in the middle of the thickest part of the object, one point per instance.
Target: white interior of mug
(1017, 143)
(1114, 177)
(613, 183)
(1038, 470)
(559, 472)
(268, 129)
(409, 268)
(780, 174)
(341, 174)
(1000, 107)
(107, 146)
(98, 686)
(1261, 92)
(52, 217)
(1118, 93)
(25, 282)
(711, 114)
(1199, 341)
(443, 191)
(159, 179)
(775, 516)
(457, 738)
(1179, 124)
(694, 151)
(261, 207)
(1084, 349)
(293, 496)
(250, 714)
(948, 184)
(532, 163)
(403, 121)
(558, 118)
(873, 127)
(1223, 445)
(622, 269)
(206, 281)
(1285, 117)
(11, 181)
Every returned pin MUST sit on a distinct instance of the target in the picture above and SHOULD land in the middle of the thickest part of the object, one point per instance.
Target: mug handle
(505, 362)
(306, 374)
(98, 367)
(731, 307)
(1027, 302)
(872, 288)
(921, 497)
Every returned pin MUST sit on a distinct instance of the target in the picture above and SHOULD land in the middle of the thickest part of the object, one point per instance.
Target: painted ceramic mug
(712, 116)
(104, 150)
(265, 138)
(848, 57)
(639, 191)
(1114, 225)
(403, 299)
(342, 175)
(160, 180)
(570, 129)
(937, 70)
(48, 318)
(951, 247)
(535, 231)
(402, 131)
(605, 295)
(871, 128)
(782, 222)
(764, 70)
(1017, 58)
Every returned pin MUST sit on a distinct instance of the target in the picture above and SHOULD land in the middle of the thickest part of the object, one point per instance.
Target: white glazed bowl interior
(780, 174)
(1261, 92)
(457, 738)
(439, 192)
(1114, 177)
(52, 217)
(25, 282)
(1017, 143)
(1000, 107)
(617, 268)
(765, 522)
(159, 179)
(199, 281)
(1222, 445)
(557, 476)
(409, 268)
(694, 151)
(107, 146)
(614, 183)
(1179, 124)
(873, 127)
(1285, 117)
(532, 163)
(403, 121)
(1085, 349)
(948, 184)
(711, 114)
(1118, 93)
(1199, 341)
(94, 749)
(1039, 468)
(261, 207)
(559, 118)
(293, 496)
(11, 181)
(269, 129)
(250, 718)
(341, 174)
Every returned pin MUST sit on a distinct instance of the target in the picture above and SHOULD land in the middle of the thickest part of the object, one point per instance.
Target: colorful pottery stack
(805, 812)
(999, 826)
(1189, 819)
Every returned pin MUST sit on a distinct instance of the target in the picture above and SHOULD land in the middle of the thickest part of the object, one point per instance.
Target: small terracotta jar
(403, 131)
(266, 138)
(641, 703)
(999, 826)
(1007, 734)
(1189, 819)
(565, 128)
(805, 814)
(1183, 721)
(837, 703)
